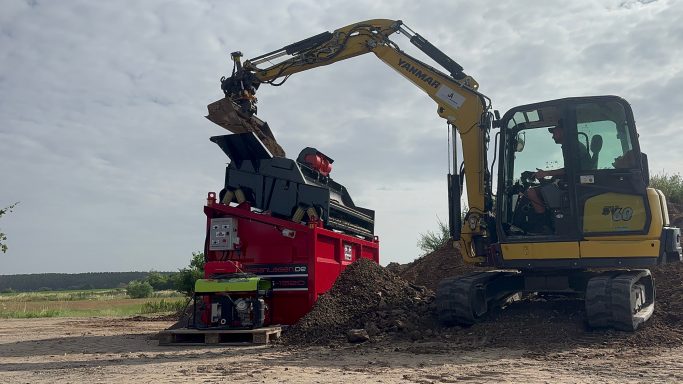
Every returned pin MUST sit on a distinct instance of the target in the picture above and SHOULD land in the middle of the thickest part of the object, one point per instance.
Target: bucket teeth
(226, 114)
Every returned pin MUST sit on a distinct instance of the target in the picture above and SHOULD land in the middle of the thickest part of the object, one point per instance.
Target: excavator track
(620, 299)
(467, 299)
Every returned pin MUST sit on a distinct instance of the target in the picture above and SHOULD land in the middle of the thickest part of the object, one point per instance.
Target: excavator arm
(458, 101)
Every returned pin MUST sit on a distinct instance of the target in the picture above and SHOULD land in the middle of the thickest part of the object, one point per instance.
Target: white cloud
(102, 137)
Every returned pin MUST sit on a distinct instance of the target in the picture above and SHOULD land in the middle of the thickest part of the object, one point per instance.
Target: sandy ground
(58, 350)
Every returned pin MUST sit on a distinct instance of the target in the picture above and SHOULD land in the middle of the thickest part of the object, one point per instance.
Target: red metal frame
(302, 260)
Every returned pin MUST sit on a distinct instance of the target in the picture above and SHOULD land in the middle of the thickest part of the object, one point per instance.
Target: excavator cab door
(597, 188)
(611, 189)
(533, 207)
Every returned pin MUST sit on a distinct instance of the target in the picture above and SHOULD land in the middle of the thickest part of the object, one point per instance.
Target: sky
(104, 143)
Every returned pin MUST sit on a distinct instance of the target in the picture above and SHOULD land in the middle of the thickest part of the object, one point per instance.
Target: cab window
(603, 129)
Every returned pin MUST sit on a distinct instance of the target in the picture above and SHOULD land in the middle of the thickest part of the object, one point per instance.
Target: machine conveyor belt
(349, 211)
(349, 228)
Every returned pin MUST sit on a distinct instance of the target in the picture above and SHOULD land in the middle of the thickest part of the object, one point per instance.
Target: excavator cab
(589, 229)
(599, 177)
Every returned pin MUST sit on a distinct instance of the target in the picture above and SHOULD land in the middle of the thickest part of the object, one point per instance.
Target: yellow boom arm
(456, 96)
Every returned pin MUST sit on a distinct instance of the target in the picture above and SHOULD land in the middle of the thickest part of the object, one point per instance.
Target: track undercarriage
(620, 299)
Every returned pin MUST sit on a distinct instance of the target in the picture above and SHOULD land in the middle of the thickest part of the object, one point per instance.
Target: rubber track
(608, 301)
(622, 312)
(598, 301)
(454, 298)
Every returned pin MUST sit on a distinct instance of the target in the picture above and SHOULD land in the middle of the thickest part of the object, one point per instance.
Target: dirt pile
(430, 269)
(549, 323)
(389, 307)
(668, 317)
(365, 295)
(552, 321)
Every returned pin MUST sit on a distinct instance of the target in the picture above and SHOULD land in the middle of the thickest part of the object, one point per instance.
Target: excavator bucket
(226, 114)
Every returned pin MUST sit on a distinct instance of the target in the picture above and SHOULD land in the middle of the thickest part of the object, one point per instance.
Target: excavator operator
(535, 194)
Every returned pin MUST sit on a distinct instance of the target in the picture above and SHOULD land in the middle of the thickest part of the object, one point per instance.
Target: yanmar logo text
(413, 70)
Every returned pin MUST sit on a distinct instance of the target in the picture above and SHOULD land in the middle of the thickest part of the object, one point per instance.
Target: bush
(185, 278)
(160, 281)
(431, 241)
(671, 185)
(139, 289)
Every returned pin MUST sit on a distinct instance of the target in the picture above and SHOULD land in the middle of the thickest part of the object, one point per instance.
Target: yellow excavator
(572, 213)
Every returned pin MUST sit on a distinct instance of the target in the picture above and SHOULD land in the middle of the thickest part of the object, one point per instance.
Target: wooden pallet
(186, 336)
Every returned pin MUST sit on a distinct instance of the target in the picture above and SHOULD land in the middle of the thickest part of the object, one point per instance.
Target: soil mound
(552, 321)
(430, 269)
(365, 295)
(547, 323)
(387, 306)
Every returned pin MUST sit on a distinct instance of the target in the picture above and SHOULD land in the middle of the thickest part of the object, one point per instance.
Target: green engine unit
(239, 302)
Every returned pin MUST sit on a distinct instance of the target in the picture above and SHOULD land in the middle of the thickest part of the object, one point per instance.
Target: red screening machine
(282, 221)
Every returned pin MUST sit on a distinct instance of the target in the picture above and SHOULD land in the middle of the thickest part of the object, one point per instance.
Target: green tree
(3, 237)
(160, 281)
(139, 289)
(431, 241)
(185, 278)
(670, 184)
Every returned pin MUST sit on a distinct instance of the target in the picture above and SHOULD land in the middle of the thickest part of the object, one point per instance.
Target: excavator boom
(456, 94)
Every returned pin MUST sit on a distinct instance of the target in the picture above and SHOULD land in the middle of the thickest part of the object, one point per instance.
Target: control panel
(223, 234)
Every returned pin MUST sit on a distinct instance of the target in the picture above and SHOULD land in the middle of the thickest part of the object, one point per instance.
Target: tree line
(182, 281)
(68, 281)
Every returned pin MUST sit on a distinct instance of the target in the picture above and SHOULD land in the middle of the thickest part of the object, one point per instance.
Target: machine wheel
(466, 299)
(622, 300)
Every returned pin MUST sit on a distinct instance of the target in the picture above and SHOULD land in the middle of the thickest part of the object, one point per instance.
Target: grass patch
(670, 184)
(167, 294)
(164, 306)
(94, 294)
(33, 305)
(31, 314)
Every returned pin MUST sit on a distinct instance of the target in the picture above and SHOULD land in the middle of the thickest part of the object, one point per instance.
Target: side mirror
(520, 139)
